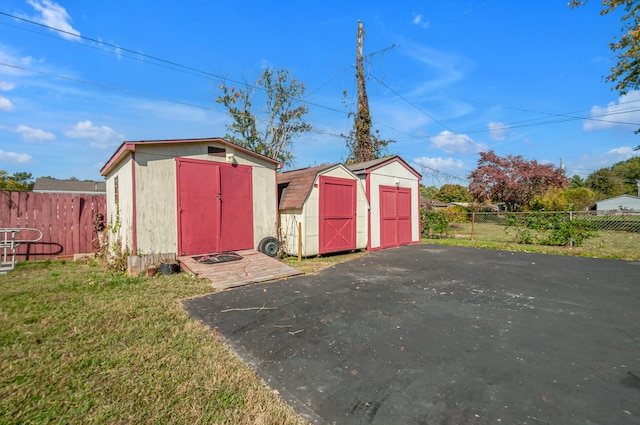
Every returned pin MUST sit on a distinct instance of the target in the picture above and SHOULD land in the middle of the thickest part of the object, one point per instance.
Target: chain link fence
(587, 232)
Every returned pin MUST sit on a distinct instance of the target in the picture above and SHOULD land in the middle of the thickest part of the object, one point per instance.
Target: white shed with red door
(322, 209)
(393, 191)
(189, 196)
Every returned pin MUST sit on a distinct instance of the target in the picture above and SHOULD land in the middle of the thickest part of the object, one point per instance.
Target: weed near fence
(576, 233)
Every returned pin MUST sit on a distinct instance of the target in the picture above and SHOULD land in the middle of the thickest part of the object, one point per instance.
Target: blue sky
(451, 78)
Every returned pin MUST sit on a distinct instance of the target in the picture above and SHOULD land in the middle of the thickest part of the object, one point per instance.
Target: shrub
(433, 224)
(549, 229)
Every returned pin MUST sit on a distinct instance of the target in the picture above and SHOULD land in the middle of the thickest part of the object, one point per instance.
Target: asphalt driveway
(429, 334)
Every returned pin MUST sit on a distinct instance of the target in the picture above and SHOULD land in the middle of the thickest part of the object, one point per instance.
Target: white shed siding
(120, 215)
(309, 217)
(155, 195)
(289, 231)
(265, 201)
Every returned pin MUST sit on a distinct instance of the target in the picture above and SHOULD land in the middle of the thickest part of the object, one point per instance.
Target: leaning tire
(269, 246)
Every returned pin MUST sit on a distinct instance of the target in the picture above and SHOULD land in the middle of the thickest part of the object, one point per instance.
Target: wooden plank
(48, 215)
(254, 267)
(5, 201)
(43, 204)
(66, 223)
(34, 249)
(15, 199)
(76, 211)
(26, 221)
(65, 212)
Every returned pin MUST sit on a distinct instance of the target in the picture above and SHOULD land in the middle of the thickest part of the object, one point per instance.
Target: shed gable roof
(294, 186)
(126, 147)
(45, 184)
(368, 166)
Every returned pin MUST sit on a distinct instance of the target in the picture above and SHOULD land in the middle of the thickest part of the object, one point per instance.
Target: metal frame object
(9, 244)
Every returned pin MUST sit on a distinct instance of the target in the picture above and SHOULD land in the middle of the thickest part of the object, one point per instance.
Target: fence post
(570, 220)
(473, 222)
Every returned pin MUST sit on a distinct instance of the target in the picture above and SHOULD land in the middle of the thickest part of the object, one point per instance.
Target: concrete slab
(428, 334)
(254, 267)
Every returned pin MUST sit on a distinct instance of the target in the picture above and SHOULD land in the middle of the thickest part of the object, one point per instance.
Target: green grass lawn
(81, 345)
(606, 244)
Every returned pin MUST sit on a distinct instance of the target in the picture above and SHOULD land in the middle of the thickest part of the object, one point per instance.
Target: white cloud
(6, 86)
(5, 104)
(441, 170)
(588, 163)
(101, 137)
(615, 115)
(13, 157)
(624, 152)
(453, 143)
(446, 68)
(55, 16)
(497, 130)
(440, 163)
(34, 134)
(418, 20)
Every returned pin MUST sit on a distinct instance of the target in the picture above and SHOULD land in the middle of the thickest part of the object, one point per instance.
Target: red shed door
(215, 208)
(337, 214)
(236, 223)
(395, 216)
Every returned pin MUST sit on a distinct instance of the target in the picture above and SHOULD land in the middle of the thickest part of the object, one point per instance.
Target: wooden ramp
(253, 267)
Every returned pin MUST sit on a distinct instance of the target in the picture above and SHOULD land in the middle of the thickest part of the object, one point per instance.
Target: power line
(151, 59)
(104, 86)
(173, 65)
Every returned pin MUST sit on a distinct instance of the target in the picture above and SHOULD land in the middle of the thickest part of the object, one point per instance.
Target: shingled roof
(47, 185)
(294, 186)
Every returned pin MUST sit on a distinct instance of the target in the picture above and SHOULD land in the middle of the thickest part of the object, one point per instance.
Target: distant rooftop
(47, 185)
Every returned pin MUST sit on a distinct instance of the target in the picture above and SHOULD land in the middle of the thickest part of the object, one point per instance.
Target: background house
(327, 204)
(393, 192)
(49, 185)
(190, 196)
(619, 204)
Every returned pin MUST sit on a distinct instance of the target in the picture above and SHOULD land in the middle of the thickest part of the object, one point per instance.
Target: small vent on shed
(213, 151)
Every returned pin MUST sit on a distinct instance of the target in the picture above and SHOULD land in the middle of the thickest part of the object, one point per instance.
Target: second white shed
(393, 192)
(322, 210)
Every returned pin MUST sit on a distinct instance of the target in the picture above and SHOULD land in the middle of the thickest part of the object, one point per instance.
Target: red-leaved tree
(513, 180)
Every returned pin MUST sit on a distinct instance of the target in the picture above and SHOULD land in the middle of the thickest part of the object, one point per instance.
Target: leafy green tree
(453, 193)
(625, 75)
(552, 200)
(629, 172)
(580, 198)
(605, 183)
(16, 182)
(428, 192)
(576, 182)
(284, 118)
(571, 199)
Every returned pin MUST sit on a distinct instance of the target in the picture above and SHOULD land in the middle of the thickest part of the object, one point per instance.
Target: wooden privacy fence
(68, 222)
